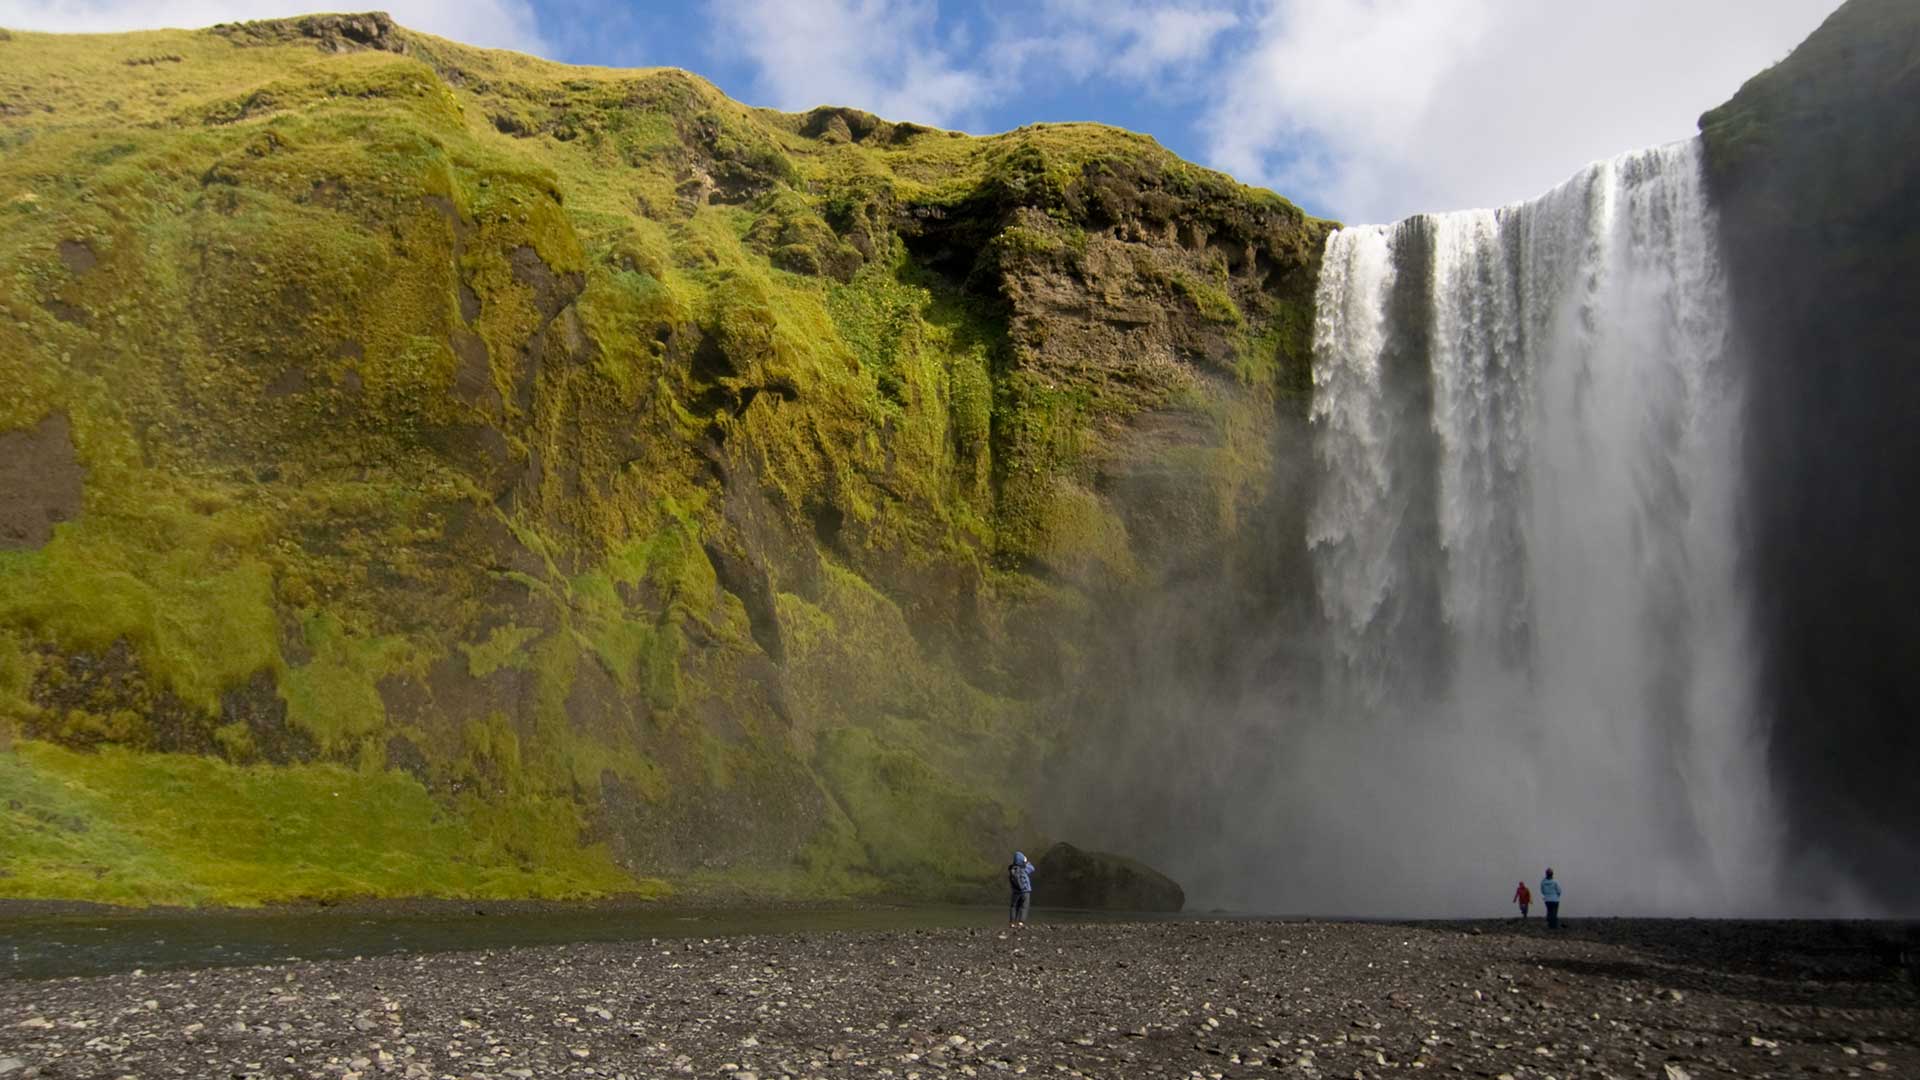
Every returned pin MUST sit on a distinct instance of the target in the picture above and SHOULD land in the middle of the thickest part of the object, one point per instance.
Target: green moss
(1042, 428)
(80, 726)
(847, 650)
(852, 657)
(878, 315)
(235, 741)
(624, 310)
(335, 695)
(126, 827)
(639, 648)
(17, 666)
(913, 823)
(389, 366)
(794, 237)
(970, 393)
(1084, 538)
(1210, 300)
(505, 647)
(1018, 243)
(492, 751)
(184, 589)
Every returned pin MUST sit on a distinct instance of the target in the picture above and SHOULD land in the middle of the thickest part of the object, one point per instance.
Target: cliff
(436, 471)
(1814, 166)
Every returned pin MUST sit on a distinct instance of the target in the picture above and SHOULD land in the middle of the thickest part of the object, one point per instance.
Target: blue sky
(964, 48)
(1364, 110)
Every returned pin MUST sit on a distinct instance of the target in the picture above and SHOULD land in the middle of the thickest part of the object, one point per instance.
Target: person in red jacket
(1522, 897)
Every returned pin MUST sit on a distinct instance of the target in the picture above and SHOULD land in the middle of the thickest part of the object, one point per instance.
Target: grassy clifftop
(430, 470)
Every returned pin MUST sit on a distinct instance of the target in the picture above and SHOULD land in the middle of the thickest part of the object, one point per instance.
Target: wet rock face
(41, 482)
(1812, 168)
(1068, 877)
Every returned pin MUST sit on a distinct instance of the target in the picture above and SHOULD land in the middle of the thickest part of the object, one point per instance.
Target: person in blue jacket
(1550, 896)
(1020, 881)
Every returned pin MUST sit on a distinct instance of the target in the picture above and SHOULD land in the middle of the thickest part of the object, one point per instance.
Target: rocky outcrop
(329, 33)
(41, 482)
(1067, 877)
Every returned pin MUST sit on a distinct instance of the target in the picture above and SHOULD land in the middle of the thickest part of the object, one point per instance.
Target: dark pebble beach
(1211, 999)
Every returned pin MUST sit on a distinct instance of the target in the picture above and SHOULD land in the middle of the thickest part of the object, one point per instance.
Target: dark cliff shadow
(1819, 964)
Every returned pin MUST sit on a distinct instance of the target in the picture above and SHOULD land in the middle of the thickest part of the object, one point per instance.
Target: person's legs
(1523, 910)
(1013, 908)
(1553, 914)
(1021, 904)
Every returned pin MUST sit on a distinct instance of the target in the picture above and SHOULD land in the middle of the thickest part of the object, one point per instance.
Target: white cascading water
(1525, 549)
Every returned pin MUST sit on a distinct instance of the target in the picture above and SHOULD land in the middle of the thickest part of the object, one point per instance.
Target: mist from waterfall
(1491, 616)
(1524, 543)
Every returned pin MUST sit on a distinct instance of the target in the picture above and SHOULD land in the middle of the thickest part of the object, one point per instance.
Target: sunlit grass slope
(127, 827)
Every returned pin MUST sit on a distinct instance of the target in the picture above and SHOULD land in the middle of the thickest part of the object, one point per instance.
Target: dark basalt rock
(1068, 877)
(41, 482)
(1813, 171)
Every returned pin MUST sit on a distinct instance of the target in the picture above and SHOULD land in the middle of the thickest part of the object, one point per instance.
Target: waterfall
(1524, 543)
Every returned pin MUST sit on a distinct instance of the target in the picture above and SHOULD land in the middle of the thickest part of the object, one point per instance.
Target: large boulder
(1067, 877)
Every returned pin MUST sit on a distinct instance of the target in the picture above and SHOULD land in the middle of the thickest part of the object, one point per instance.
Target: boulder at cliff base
(1067, 877)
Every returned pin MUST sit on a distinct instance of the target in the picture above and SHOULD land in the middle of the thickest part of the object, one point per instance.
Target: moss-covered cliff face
(426, 470)
(1815, 167)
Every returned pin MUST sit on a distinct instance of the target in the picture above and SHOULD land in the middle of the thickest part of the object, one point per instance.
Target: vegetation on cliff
(430, 470)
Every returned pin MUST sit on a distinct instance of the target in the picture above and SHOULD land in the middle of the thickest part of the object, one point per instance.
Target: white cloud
(1374, 109)
(1363, 109)
(1142, 41)
(1165, 38)
(507, 24)
(884, 56)
(897, 58)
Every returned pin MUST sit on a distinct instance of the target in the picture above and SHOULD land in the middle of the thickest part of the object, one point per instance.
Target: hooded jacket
(1020, 873)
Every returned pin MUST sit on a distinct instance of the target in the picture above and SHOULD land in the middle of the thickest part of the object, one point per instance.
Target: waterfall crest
(1524, 542)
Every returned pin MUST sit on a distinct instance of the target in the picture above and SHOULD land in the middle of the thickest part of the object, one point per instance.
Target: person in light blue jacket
(1550, 896)
(1020, 882)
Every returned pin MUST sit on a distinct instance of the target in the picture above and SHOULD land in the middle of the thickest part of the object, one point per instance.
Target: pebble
(1252, 998)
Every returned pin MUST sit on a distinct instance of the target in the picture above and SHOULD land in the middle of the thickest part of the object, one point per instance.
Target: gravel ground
(1622, 998)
